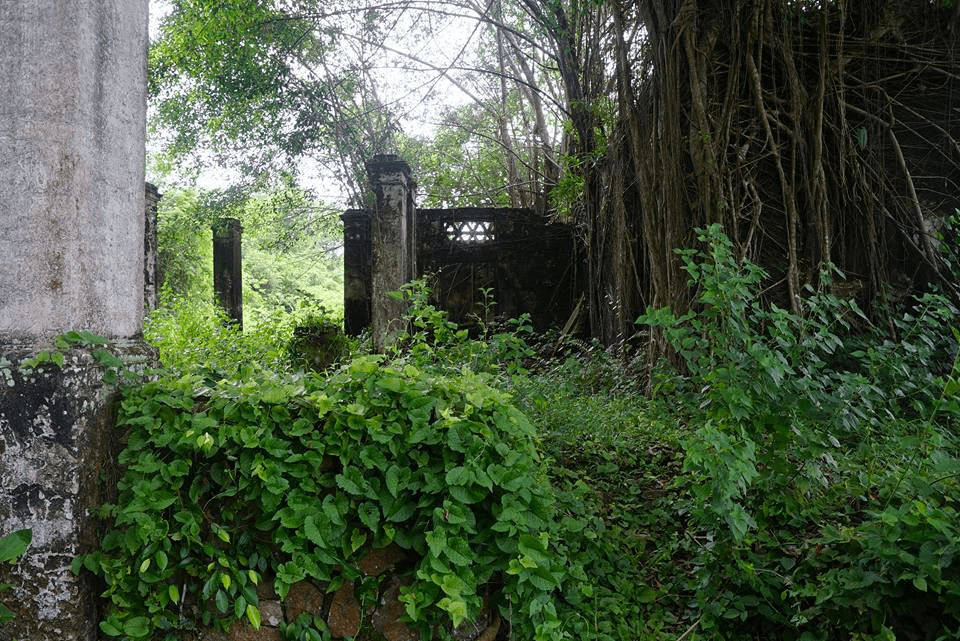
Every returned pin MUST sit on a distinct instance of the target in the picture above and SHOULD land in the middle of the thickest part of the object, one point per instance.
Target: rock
(380, 560)
(344, 617)
(386, 618)
(304, 597)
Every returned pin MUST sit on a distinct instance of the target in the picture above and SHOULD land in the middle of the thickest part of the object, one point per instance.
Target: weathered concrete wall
(529, 262)
(392, 237)
(228, 268)
(72, 131)
(72, 104)
(57, 447)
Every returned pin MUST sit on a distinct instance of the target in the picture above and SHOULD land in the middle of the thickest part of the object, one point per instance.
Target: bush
(229, 482)
(821, 468)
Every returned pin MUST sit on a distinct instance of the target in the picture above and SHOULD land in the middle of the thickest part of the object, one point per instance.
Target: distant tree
(815, 132)
(262, 85)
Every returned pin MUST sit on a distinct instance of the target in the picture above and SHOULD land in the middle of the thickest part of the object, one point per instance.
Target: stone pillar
(392, 240)
(151, 288)
(72, 131)
(227, 268)
(356, 271)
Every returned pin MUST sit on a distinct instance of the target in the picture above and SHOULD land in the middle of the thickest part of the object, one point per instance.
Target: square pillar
(392, 241)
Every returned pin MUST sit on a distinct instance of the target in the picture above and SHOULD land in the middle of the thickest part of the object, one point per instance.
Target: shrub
(821, 467)
(232, 481)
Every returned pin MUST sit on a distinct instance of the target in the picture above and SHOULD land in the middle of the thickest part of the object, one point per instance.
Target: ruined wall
(392, 239)
(72, 202)
(528, 262)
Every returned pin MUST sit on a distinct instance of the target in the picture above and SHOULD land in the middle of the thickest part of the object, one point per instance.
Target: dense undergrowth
(780, 476)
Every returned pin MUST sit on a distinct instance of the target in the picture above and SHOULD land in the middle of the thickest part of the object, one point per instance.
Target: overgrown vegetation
(786, 475)
(12, 547)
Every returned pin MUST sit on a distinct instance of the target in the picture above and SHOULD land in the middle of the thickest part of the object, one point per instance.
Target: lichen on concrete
(58, 445)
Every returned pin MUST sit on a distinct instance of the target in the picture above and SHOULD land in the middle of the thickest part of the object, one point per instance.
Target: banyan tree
(815, 132)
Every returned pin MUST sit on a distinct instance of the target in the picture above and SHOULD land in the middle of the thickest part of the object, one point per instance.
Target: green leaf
(253, 615)
(392, 478)
(174, 593)
(370, 516)
(456, 608)
(312, 532)
(459, 476)
(351, 481)
(357, 539)
(137, 627)
(239, 606)
(14, 544)
(109, 629)
(161, 558)
(222, 601)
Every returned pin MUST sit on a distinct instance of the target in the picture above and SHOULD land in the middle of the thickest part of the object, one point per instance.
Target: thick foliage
(232, 482)
(821, 471)
(12, 547)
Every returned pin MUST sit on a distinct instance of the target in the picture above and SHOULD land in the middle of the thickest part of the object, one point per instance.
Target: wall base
(58, 447)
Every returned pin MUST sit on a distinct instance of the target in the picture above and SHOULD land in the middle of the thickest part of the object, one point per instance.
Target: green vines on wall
(232, 483)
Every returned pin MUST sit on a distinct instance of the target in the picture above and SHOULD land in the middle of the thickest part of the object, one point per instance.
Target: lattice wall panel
(469, 231)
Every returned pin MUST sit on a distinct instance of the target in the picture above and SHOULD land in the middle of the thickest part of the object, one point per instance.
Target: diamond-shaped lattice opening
(469, 231)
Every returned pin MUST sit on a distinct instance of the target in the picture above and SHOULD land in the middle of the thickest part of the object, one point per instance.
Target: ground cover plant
(783, 475)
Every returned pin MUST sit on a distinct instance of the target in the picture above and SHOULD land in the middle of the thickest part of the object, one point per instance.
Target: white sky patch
(420, 69)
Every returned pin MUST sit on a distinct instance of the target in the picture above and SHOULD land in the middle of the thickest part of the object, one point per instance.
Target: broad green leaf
(253, 615)
(312, 532)
(14, 544)
(137, 627)
(370, 515)
(456, 608)
(392, 478)
(222, 601)
(109, 629)
(459, 476)
(357, 539)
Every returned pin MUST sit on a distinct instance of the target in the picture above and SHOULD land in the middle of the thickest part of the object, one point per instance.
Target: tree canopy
(818, 134)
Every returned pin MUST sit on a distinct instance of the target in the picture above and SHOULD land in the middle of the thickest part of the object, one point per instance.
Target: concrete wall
(72, 105)
(72, 155)
(529, 263)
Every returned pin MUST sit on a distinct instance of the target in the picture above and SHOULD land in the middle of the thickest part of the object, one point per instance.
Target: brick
(344, 617)
(386, 618)
(304, 597)
(378, 561)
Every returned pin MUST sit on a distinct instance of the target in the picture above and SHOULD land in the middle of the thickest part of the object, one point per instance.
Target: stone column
(392, 241)
(228, 269)
(151, 288)
(72, 130)
(356, 271)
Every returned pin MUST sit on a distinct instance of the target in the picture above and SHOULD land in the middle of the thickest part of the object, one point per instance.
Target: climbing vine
(233, 483)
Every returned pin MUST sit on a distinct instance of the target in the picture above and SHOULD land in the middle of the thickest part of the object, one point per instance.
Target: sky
(411, 80)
